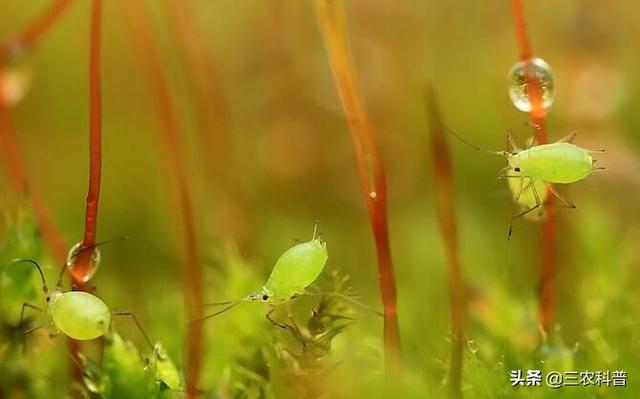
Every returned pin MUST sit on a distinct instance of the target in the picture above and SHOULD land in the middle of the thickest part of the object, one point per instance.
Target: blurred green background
(289, 159)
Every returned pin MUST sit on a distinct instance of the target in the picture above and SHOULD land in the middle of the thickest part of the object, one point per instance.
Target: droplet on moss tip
(523, 75)
(94, 263)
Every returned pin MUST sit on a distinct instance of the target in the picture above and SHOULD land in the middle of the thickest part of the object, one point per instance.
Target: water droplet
(472, 346)
(15, 81)
(93, 264)
(521, 78)
(373, 195)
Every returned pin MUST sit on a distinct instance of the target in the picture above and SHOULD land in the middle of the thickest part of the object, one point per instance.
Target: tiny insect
(77, 314)
(522, 194)
(295, 270)
(543, 165)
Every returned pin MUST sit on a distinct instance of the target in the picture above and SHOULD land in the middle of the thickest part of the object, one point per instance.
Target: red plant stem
(81, 270)
(212, 109)
(21, 41)
(213, 119)
(521, 30)
(332, 22)
(537, 116)
(444, 201)
(170, 136)
(34, 31)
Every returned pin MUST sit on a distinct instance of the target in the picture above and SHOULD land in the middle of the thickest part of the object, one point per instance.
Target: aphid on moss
(295, 270)
(522, 192)
(77, 314)
(561, 162)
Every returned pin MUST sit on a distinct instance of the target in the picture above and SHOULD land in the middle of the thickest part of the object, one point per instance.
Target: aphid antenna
(229, 302)
(135, 320)
(209, 316)
(471, 145)
(596, 151)
(33, 262)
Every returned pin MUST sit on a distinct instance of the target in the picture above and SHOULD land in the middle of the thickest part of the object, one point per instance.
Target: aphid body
(559, 162)
(78, 314)
(295, 269)
(538, 167)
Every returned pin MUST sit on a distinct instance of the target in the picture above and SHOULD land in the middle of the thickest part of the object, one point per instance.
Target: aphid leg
(596, 151)
(517, 215)
(556, 194)
(275, 323)
(31, 331)
(511, 144)
(521, 188)
(295, 329)
(568, 138)
(29, 306)
(135, 320)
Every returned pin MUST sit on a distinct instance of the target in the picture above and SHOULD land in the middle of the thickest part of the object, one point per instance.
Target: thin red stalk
(537, 116)
(170, 137)
(21, 41)
(444, 202)
(521, 30)
(82, 268)
(212, 109)
(212, 113)
(332, 22)
(35, 30)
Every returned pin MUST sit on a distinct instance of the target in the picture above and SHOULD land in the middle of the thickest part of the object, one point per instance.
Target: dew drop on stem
(523, 75)
(94, 263)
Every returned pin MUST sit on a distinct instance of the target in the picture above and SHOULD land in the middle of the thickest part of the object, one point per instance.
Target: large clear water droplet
(15, 81)
(523, 75)
(94, 263)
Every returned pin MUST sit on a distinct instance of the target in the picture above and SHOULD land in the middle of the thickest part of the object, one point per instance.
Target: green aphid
(164, 369)
(522, 192)
(561, 162)
(77, 314)
(296, 269)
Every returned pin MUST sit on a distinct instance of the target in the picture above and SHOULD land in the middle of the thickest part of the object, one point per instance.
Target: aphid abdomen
(297, 268)
(556, 162)
(80, 315)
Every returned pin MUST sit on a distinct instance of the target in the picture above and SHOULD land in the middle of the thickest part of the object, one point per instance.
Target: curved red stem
(331, 20)
(537, 116)
(191, 266)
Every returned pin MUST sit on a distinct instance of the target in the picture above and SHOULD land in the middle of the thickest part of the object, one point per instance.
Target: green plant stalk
(332, 22)
(173, 150)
